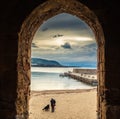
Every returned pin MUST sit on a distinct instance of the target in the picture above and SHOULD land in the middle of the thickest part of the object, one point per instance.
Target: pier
(85, 77)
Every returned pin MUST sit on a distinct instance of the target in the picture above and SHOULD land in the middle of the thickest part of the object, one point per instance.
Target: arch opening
(63, 47)
(28, 29)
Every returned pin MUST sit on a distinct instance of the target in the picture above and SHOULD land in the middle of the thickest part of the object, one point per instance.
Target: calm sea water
(43, 78)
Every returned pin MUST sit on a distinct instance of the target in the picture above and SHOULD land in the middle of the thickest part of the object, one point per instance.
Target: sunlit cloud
(61, 41)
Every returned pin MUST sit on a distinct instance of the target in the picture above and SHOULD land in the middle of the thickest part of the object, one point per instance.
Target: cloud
(44, 29)
(63, 25)
(34, 45)
(66, 46)
(65, 38)
(58, 35)
(65, 21)
(90, 47)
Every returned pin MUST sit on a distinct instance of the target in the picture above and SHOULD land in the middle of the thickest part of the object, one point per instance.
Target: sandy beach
(70, 104)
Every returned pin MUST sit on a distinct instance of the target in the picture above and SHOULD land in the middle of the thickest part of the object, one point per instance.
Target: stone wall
(14, 93)
(85, 71)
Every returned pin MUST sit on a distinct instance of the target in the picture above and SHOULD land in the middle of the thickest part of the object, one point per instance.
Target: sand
(70, 104)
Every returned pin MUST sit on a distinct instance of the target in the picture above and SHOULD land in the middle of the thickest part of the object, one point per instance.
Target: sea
(48, 78)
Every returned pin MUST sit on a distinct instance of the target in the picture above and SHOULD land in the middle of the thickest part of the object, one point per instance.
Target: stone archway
(28, 29)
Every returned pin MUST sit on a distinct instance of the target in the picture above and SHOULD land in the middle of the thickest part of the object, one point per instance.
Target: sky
(65, 38)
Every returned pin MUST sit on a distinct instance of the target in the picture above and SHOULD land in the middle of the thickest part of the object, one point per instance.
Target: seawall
(88, 76)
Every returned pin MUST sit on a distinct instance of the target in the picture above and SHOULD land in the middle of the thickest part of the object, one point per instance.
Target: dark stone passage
(19, 20)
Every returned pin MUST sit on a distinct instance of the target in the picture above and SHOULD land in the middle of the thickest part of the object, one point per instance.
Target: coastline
(45, 92)
(71, 104)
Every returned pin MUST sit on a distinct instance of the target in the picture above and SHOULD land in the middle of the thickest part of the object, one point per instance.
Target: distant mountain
(44, 63)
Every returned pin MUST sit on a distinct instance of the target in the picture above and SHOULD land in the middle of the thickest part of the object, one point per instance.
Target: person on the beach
(53, 104)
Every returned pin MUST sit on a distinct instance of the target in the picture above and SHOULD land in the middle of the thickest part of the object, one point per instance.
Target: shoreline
(43, 92)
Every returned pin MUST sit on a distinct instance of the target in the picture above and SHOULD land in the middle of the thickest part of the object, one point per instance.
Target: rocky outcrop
(45, 63)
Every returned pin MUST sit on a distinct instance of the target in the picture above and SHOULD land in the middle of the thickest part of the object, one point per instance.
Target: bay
(47, 78)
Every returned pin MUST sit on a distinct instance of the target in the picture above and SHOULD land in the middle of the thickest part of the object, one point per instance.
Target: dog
(46, 108)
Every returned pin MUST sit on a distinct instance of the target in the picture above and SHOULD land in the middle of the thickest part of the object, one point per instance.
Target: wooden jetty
(85, 78)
